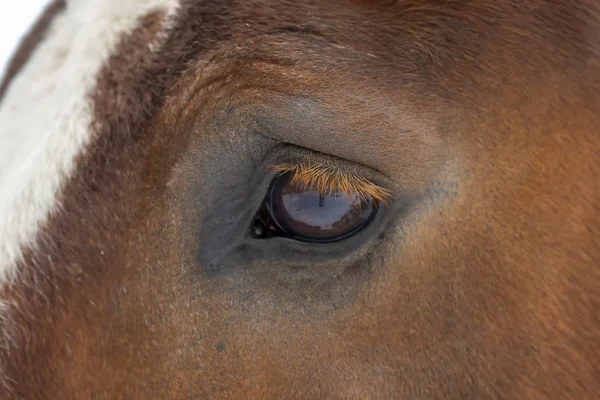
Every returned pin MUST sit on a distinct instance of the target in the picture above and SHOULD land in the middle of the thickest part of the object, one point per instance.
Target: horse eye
(306, 214)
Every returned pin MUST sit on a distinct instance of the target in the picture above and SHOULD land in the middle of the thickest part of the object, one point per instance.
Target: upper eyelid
(328, 176)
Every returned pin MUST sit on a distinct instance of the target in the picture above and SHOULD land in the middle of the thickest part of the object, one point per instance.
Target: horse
(302, 200)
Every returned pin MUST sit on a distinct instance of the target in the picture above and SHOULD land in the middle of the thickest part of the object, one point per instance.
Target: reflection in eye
(305, 213)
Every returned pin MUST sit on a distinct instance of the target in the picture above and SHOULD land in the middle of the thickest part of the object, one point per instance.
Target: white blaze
(45, 117)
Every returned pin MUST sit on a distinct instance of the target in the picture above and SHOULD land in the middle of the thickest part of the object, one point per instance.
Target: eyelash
(328, 178)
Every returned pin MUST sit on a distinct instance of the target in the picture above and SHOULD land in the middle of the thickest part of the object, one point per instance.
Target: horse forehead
(46, 118)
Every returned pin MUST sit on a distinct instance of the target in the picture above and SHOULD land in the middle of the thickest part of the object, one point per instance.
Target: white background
(15, 20)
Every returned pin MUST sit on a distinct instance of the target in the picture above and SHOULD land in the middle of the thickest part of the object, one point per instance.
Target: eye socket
(307, 214)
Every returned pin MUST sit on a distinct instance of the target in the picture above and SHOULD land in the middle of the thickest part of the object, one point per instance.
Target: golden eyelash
(328, 178)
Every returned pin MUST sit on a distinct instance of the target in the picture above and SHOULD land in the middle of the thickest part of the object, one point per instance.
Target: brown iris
(307, 214)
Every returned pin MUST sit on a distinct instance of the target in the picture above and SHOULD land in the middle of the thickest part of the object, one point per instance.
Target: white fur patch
(45, 117)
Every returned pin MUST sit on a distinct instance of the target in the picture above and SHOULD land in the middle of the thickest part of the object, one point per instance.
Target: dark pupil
(306, 214)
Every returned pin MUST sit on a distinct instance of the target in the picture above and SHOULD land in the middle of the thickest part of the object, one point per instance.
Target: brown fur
(485, 284)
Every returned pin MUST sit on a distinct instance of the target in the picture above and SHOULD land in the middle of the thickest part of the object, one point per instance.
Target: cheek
(196, 334)
(205, 334)
(179, 329)
(147, 303)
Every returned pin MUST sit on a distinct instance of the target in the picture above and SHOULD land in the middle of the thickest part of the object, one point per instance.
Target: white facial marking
(45, 116)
